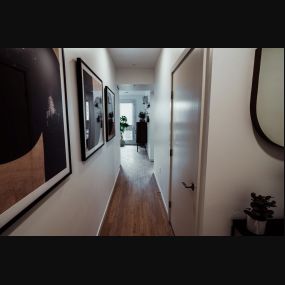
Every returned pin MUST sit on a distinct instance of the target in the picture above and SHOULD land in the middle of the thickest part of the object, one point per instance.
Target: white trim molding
(108, 203)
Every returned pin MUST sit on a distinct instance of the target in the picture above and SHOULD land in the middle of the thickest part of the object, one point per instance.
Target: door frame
(203, 140)
(134, 102)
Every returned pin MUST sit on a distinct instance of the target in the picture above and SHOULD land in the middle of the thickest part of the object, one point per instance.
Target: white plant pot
(254, 226)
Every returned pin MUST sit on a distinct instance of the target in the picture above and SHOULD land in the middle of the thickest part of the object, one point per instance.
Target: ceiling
(133, 92)
(135, 87)
(135, 57)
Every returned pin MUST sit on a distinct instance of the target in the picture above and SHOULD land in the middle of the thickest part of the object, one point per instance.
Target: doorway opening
(135, 111)
(127, 110)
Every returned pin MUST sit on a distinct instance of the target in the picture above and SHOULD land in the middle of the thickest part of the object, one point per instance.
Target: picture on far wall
(110, 114)
(34, 144)
(91, 111)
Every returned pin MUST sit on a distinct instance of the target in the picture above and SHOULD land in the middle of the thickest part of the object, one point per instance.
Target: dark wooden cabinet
(141, 134)
(274, 227)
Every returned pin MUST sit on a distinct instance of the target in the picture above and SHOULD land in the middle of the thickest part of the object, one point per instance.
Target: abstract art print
(34, 145)
(91, 110)
(110, 114)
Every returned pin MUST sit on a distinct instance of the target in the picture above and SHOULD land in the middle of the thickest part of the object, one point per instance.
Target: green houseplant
(259, 213)
(123, 126)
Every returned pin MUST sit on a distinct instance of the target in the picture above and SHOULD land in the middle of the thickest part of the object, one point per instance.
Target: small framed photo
(110, 106)
(91, 110)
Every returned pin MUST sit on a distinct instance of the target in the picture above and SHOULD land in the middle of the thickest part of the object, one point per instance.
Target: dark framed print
(91, 111)
(34, 145)
(110, 114)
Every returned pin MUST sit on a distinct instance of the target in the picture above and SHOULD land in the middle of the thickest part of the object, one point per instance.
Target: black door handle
(192, 186)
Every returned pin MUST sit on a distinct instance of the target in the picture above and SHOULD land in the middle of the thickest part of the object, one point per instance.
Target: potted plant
(123, 126)
(259, 213)
(142, 116)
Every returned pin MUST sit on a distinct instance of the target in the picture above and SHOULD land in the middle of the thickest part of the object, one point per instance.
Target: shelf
(274, 227)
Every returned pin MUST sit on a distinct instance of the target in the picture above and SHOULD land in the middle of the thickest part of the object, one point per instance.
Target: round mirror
(267, 102)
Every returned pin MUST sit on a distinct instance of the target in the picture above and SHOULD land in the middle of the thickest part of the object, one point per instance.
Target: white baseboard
(165, 205)
(109, 200)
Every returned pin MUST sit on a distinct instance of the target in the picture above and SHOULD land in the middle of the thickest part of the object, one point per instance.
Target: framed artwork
(267, 95)
(91, 111)
(110, 114)
(34, 145)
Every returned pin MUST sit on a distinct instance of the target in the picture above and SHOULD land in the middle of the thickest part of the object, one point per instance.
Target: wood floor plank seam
(136, 207)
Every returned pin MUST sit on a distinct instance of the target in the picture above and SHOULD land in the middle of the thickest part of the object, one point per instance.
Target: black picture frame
(90, 94)
(43, 92)
(253, 101)
(110, 102)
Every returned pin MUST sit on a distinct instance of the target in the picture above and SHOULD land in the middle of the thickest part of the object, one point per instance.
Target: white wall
(238, 162)
(135, 76)
(150, 129)
(77, 206)
(161, 117)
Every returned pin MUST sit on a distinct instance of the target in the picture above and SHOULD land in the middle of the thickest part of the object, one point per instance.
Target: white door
(187, 82)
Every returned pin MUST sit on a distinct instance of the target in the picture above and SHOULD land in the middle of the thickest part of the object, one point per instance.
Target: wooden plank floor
(136, 208)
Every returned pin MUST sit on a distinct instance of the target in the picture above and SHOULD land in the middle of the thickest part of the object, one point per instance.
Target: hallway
(66, 112)
(136, 208)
